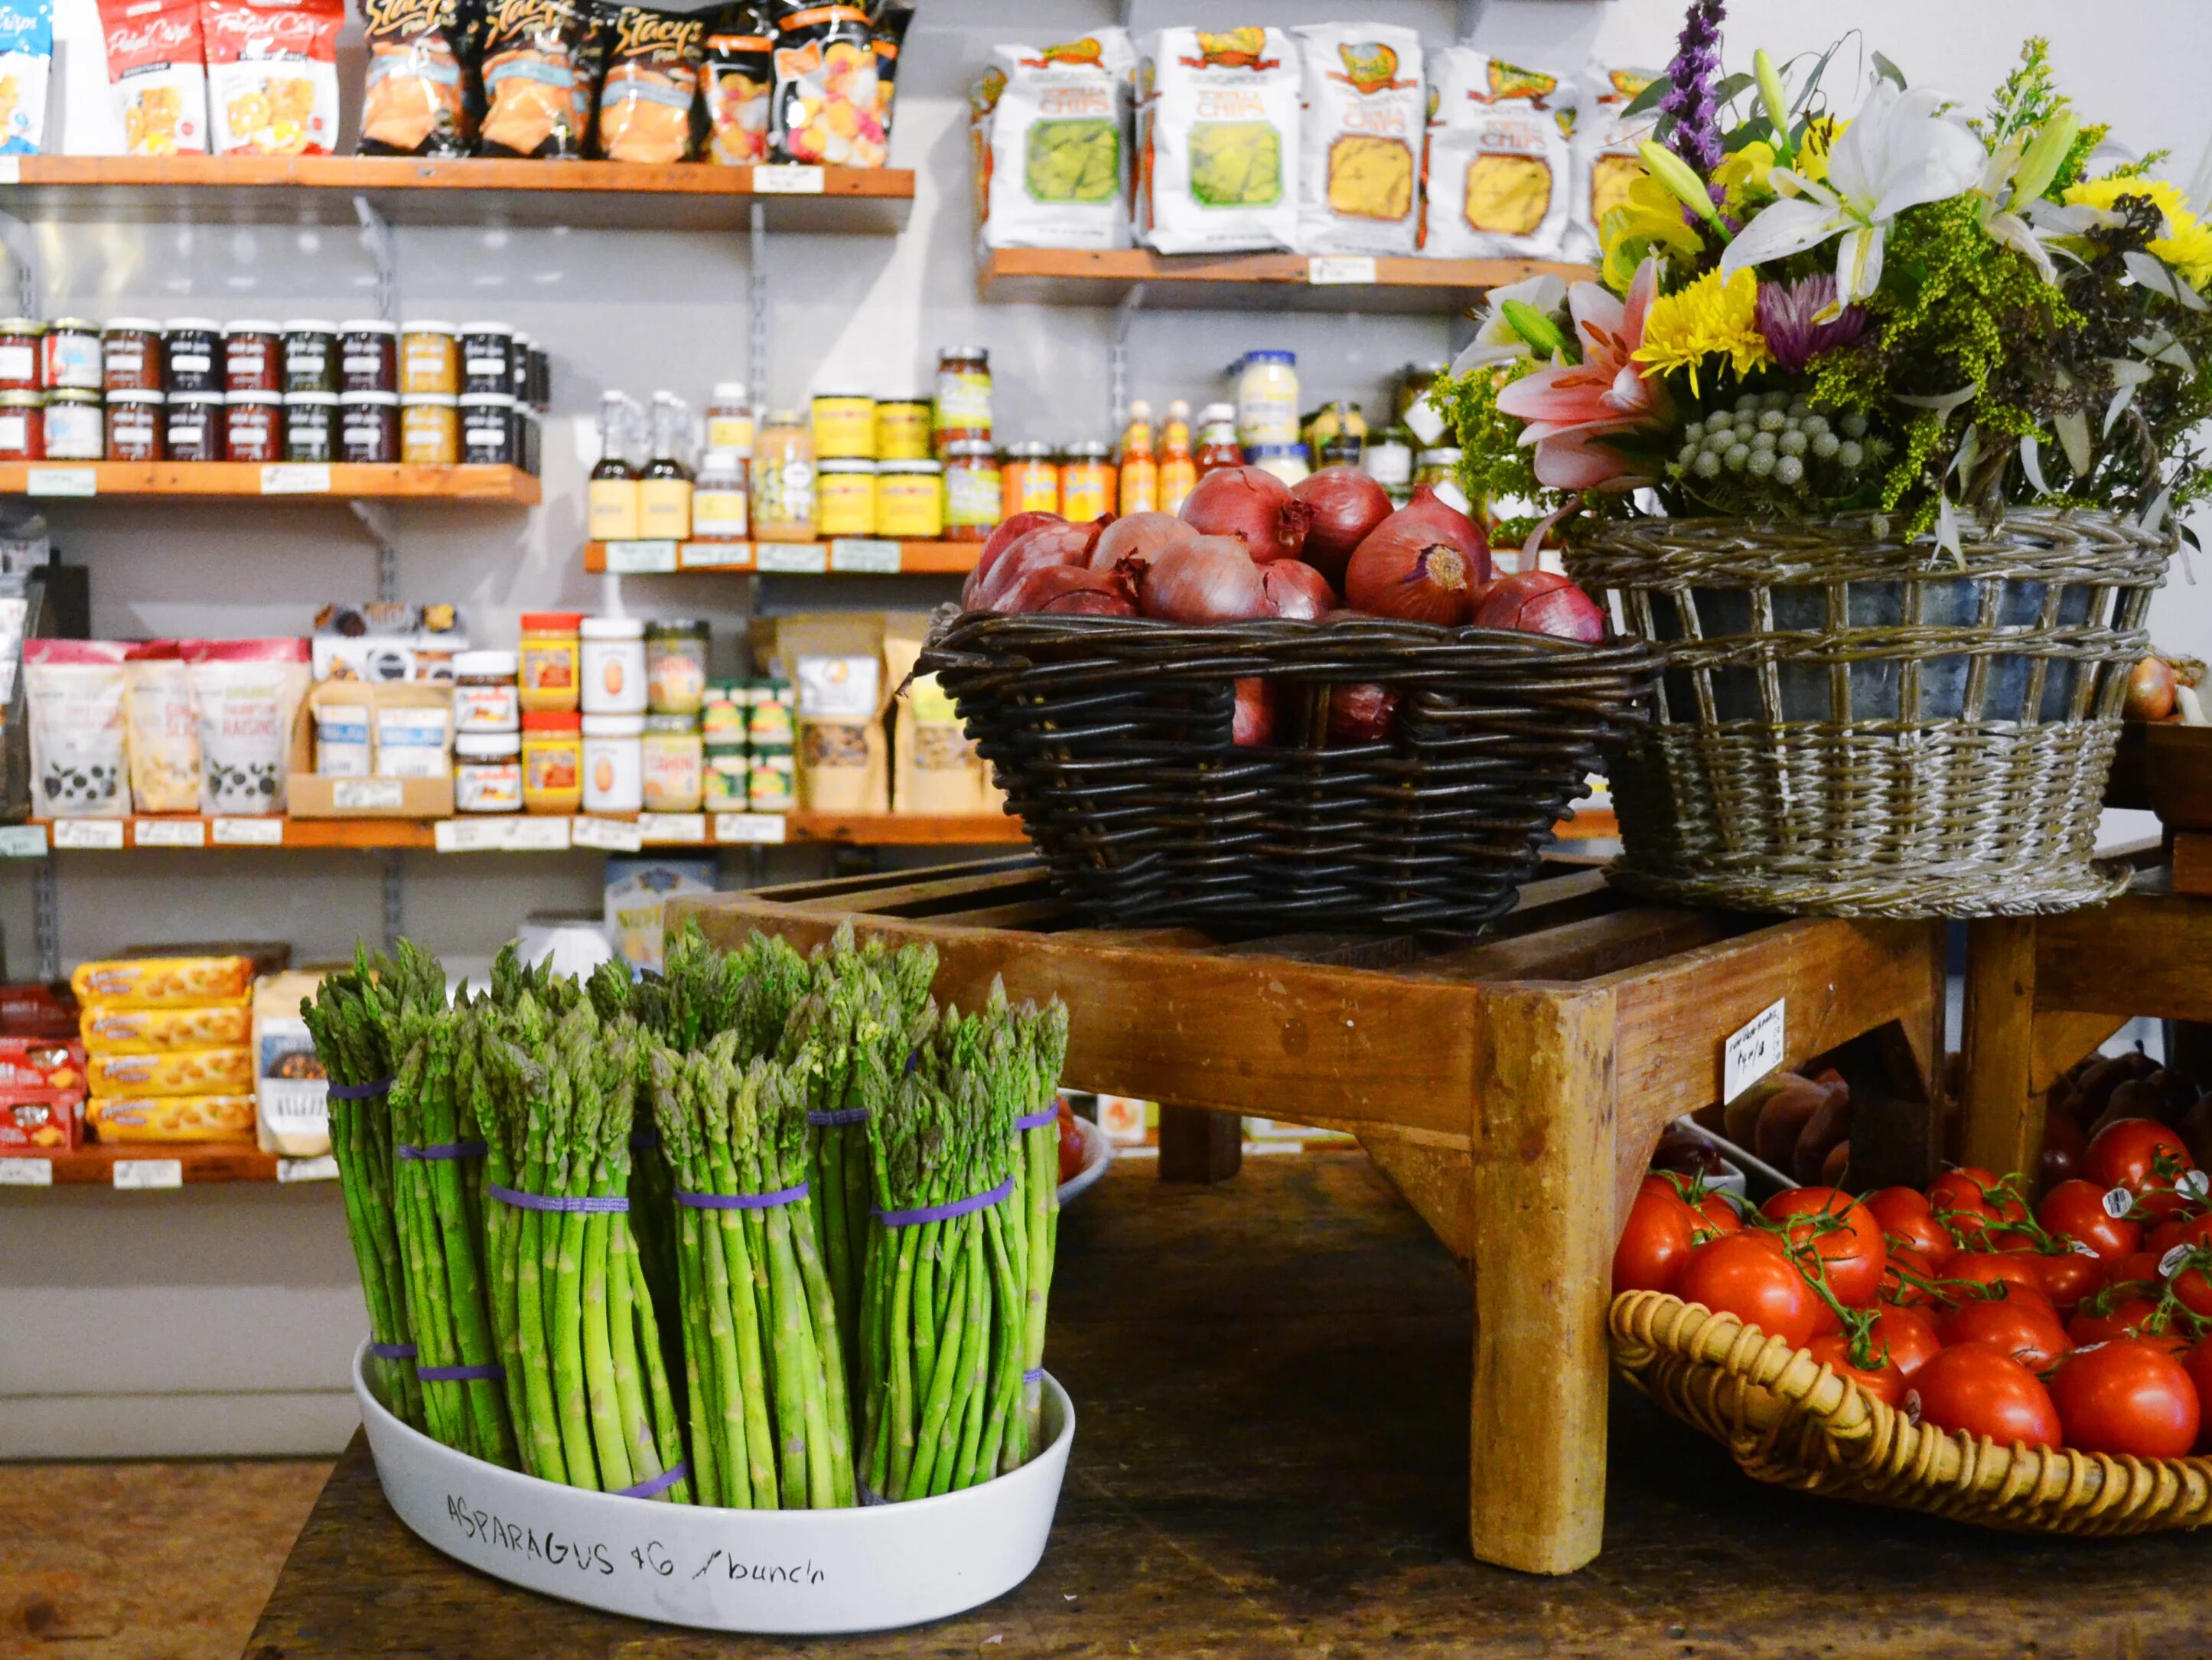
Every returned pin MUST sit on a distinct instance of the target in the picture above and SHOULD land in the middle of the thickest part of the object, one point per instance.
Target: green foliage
(2028, 98)
(1493, 464)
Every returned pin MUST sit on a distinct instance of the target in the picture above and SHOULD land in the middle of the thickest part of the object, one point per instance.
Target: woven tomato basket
(1790, 1419)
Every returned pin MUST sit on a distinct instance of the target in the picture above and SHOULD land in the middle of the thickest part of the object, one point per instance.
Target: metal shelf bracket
(376, 235)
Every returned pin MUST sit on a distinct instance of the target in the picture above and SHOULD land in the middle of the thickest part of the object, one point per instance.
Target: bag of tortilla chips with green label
(1055, 144)
(1217, 125)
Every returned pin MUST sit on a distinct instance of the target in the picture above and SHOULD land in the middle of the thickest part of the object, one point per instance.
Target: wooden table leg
(2001, 1126)
(1197, 1145)
(1542, 1215)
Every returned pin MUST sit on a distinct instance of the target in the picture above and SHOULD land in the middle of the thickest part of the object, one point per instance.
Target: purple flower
(1786, 311)
(1691, 96)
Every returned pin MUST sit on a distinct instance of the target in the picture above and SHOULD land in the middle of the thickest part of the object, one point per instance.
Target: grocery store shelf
(1254, 282)
(94, 1166)
(234, 480)
(512, 833)
(477, 193)
(845, 556)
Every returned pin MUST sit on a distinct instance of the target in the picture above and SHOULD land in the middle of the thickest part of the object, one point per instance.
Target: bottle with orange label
(614, 680)
(1178, 471)
(1141, 472)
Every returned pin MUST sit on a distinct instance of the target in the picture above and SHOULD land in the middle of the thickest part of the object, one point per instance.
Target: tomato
(1852, 1254)
(2179, 1230)
(1719, 1213)
(1656, 1242)
(1885, 1382)
(2026, 1329)
(1908, 1337)
(1986, 1268)
(1907, 1219)
(2068, 1277)
(2126, 1397)
(2128, 1152)
(2156, 1204)
(1971, 1189)
(2128, 1317)
(1749, 1276)
(1896, 1288)
(2077, 1210)
(2198, 1363)
(2192, 1289)
(1983, 1391)
(2137, 1267)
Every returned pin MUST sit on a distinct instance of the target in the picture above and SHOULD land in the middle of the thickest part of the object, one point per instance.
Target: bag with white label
(1500, 167)
(157, 68)
(247, 692)
(1607, 160)
(1359, 173)
(26, 60)
(1053, 151)
(73, 692)
(164, 730)
(1217, 126)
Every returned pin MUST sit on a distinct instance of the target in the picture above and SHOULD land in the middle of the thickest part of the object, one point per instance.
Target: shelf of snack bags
(839, 556)
(505, 486)
(1251, 282)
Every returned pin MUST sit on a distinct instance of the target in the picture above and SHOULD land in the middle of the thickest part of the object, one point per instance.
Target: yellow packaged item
(150, 982)
(107, 1029)
(1361, 137)
(178, 1071)
(172, 1118)
(1499, 159)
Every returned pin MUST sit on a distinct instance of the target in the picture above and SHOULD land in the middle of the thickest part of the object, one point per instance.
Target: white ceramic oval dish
(1097, 1154)
(766, 1572)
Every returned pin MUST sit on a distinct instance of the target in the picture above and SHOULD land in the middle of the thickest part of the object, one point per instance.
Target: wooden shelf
(236, 480)
(169, 834)
(199, 1162)
(853, 555)
(1245, 282)
(319, 190)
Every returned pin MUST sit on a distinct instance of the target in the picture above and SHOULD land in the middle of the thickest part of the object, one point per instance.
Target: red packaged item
(36, 1010)
(272, 68)
(41, 1063)
(155, 66)
(40, 1120)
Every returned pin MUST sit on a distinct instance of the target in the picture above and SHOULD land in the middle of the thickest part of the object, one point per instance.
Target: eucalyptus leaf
(2031, 462)
(2073, 429)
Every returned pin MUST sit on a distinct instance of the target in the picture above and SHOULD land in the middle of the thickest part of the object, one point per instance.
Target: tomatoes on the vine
(2134, 1154)
(1983, 1391)
(1883, 1381)
(2126, 1397)
(2195, 1230)
(1656, 1242)
(1719, 1213)
(2079, 1210)
(2068, 1277)
(1988, 1267)
(2126, 1317)
(1749, 1274)
(1973, 1191)
(1844, 1234)
(2026, 1328)
(1908, 1219)
(1908, 1336)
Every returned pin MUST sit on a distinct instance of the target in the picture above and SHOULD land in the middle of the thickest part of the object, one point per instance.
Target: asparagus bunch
(1028, 1047)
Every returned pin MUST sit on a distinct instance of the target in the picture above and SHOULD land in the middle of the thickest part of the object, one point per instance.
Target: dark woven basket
(1111, 738)
(1850, 724)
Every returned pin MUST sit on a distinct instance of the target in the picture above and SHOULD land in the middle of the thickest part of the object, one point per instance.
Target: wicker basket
(1111, 738)
(1850, 724)
(1790, 1419)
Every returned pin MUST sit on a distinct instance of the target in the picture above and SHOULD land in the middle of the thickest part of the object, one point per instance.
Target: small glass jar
(910, 500)
(783, 480)
(550, 661)
(963, 413)
(676, 666)
(429, 428)
(368, 427)
(253, 357)
(487, 358)
(134, 426)
(19, 338)
(1267, 398)
(614, 762)
(130, 355)
(771, 779)
(488, 772)
(1029, 480)
(1287, 462)
(430, 360)
(722, 713)
(674, 762)
(485, 695)
(488, 428)
(253, 426)
(22, 426)
(310, 422)
(192, 355)
(844, 425)
(72, 356)
(311, 355)
(552, 760)
(730, 424)
(613, 653)
(194, 426)
(845, 498)
(768, 713)
(972, 492)
(1437, 466)
(1086, 481)
(722, 778)
(902, 429)
(368, 356)
(76, 429)
(719, 504)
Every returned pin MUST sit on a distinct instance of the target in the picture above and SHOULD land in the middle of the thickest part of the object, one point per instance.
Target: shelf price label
(22, 841)
(93, 834)
(639, 558)
(608, 835)
(249, 832)
(537, 836)
(468, 836)
(26, 1172)
(1752, 1051)
(168, 833)
(791, 559)
(325, 1169)
(61, 481)
(295, 478)
(368, 795)
(147, 1175)
(763, 829)
(1340, 269)
(862, 556)
(718, 556)
(788, 179)
(684, 827)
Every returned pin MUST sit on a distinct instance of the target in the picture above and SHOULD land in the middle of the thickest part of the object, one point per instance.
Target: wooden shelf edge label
(863, 556)
(760, 830)
(791, 558)
(323, 1168)
(639, 558)
(248, 832)
(295, 478)
(96, 835)
(61, 481)
(789, 179)
(148, 1175)
(26, 1172)
(605, 835)
(168, 833)
(1340, 269)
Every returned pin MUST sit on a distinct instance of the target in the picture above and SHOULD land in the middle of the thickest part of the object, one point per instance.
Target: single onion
(1137, 539)
(1409, 572)
(2150, 690)
(1045, 587)
(1346, 504)
(1055, 544)
(1212, 579)
(1295, 590)
(1255, 721)
(1003, 536)
(1252, 505)
(1089, 602)
(1541, 602)
(1362, 714)
(1445, 522)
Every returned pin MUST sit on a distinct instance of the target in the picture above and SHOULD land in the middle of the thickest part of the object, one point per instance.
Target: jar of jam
(487, 358)
(538, 378)
(484, 694)
(368, 427)
(845, 499)
(71, 349)
(130, 355)
(488, 772)
(189, 355)
(22, 426)
(675, 666)
(134, 426)
(253, 357)
(1086, 481)
(1029, 479)
(253, 426)
(964, 395)
(195, 425)
(311, 355)
(430, 429)
(971, 491)
(529, 438)
(311, 426)
(368, 356)
(488, 428)
(902, 428)
(910, 500)
(430, 360)
(19, 353)
(74, 430)
(521, 368)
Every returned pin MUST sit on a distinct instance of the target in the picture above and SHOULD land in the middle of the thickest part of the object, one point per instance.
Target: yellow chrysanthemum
(1651, 223)
(2187, 244)
(1704, 319)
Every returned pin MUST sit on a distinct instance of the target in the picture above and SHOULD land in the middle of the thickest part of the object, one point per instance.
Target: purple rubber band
(660, 1483)
(393, 1351)
(870, 1496)
(609, 1205)
(1037, 1121)
(839, 1118)
(644, 1140)
(440, 1150)
(461, 1374)
(974, 1201)
(359, 1091)
(741, 1201)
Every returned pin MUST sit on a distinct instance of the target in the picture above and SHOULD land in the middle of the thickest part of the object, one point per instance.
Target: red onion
(1089, 602)
(1212, 579)
(1255, 723)
(1408, 572)
(1138, 538)
(1362, 714)
(1346, 504)
(1059, 587)
(1007, 532)
(1447, 523)
(1055, 544)
(1252, 505)
(1541, 602)
(1295, 590)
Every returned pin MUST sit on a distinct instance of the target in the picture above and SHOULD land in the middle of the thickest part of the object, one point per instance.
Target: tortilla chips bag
(416, 100)
(1500, 168)
(1359, 190)
(536, 79)
(650, 92)
(1054, 146)
(1216, 141)
(1607, 161)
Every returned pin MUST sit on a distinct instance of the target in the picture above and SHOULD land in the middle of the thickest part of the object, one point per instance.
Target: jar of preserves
(368, 427)
(964, 395)
(676, 666)
(552, 760)
(488, 772)
(1217, 438)
(1086, 481)
(902, 429)
(845, 498)
(368, 356)
(72, 357)
(1414, 381)
(719, 508)
(134, 426)
(971, 491)
(1267, 398)
(429, 359)
(311, 420)
(673, 760)
(783, 480)
(76, 429)
(529, 439)
(549, 665)
(311, 355)
(192, 355)
(613, 651)
(22, 426)
(771, 779)
(614, 762)
(130, 355)
(488, 428)
(253, 426)
(194, 426)
(910, 500)
(1029, 479)
(1286, 461)
(722, 778)
(485, 695)
(730, 424)
(429, 429)
(844, 425)
(253, 357)
(19, 338)
(722, 713)
(487, 358)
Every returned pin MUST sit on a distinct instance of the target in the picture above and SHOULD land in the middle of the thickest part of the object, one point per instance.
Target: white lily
(1898, 152)
(1497, 341)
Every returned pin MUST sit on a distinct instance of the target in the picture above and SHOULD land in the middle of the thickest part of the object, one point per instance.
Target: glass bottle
(610, 498)
(663, 490)
(1178, 472)
(1140, 473)
(783, 478)
(1217, 438)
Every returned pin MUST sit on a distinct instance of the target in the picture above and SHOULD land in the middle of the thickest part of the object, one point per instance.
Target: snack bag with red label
(738, 77)
(414, 101)
(273, 75)
(154, 66)
(825, 87)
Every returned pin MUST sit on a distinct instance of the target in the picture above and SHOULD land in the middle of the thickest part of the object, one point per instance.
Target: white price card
(101, 834)
(22, 841)
(168, 833)
(26, 1172)
(863, 556)
(608, 835)
(1753, 1051)
(787, 181)
(469, 835)
(325, 1169)
(248, 832)
(687, 828)
(11, 169)
(1339, 270)
(757, 829)
(718, 556)
(639, 558)
(537, 836)
(368, 795)
(61, 481)
(296, 479)
(142, 1175)
(791, 559)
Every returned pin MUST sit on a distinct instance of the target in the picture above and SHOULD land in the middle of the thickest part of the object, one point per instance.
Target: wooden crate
(1511, 1087)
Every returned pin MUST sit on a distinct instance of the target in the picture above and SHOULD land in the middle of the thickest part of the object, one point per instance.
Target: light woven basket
(1849, 724)
(1790, 1419)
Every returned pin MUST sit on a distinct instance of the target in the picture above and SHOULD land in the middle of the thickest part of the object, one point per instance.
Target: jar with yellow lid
(910, 500)
(552, 760)
(674, 762)
(845, 498)
(903, 426)
(552, 659)
(844, 425)
(1086, 483)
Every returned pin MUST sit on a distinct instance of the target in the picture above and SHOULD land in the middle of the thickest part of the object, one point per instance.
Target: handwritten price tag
(94, 834)
(863, 557)
(791, 559)
(366, 794)
(147, 1175)
(752, 829)
(295, 478)
(1752, 1052)
(641, 558)
(325, 1169)
(608, 835)
(61, 481)
(789, 180)
(168, 833)
(1339, 270)
(249, 832)
(26, 1172)
(718, 556)
(22, 841)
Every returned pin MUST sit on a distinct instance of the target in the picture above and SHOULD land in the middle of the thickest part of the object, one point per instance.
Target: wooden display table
(1511, 1089)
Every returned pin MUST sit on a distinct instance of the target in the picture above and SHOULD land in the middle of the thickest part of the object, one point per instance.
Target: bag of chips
(1216, 141)
(890, 22)
(416, 100)
(27, 58)
(537, 81)
(1500, 170)
(1607, 161)
(156, 67)
(736, 79)
(649, 62)
(1055, 144)
(272, 70)
(1359, 177)
(824, 111)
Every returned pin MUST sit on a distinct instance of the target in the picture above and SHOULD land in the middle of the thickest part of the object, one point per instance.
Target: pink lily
(1569, 405)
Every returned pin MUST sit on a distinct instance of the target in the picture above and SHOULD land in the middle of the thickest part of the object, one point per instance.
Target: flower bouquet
(1878, 426)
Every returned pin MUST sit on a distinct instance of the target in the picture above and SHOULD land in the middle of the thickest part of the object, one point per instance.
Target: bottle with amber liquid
(1178, 471)
(1141, 472)
(1217, 438)
(610, 502)
(664, 488)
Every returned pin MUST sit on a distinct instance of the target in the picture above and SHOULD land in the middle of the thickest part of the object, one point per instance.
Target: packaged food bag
(1501, 170)
(649, 86)
(889, 23)
(141, 982)
(537, 81)
(171, 1072)
(173, 1118)
(416, 102)
(1216, 141)
(272, 70)
(1055, 149)
(27, 62)
(737, 79)
(291, 1089)
(1359, 170)
(1607, 161)
(247, 692)
(157, 70)
(73, 692)
(115, 1029)
(162, 729)
(824, 112)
